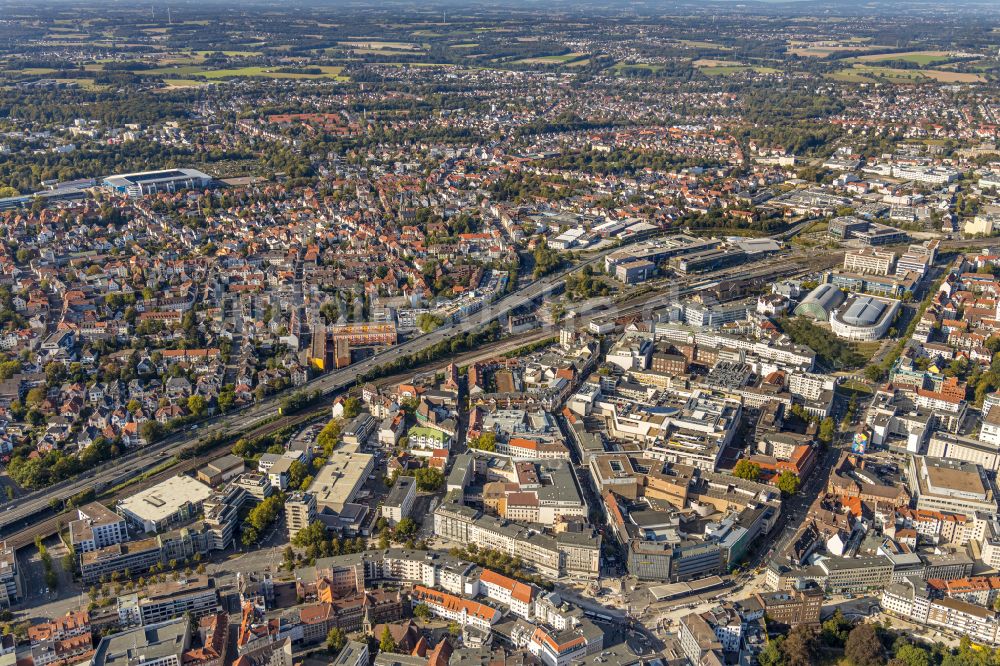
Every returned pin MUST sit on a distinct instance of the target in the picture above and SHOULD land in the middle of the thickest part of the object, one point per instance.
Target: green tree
(835, 629)
(772, 654)
(486, 441)
(428, 322)
(297, 471)
(788, 483)
(406, 528)
(35, 397)
(336, 640)
(328, 436)
(196, 405)
(913, 655)
(827, 430)
(423, 612)
(386, 642)
(429, 479)
(352, 407)
(745, 469)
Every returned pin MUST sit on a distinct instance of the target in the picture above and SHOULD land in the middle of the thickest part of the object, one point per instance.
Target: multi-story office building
(856, 574)
(96, 527)
(132, 557)
(153, 645)
(567, 553)
(399, 502)
(954, 486)
(869, 261)
(157, 603)
(11, 590)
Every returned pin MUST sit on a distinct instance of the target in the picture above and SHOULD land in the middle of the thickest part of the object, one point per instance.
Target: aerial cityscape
(637, 333)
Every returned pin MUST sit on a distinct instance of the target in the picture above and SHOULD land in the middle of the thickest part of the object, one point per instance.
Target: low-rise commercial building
(166, 504)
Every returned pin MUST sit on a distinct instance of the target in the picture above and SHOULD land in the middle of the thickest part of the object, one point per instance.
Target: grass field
(824, 49)
(922, 58)
(867, 73)
(696, 44)
(619, 67)
(712, 67)
(375, 45)
(551, 60)
(184, 83)
(185, 72)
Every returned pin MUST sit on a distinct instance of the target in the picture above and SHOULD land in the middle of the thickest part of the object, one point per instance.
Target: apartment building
(697, 638)
(908, 598)
(965, 619)
(64, 639)
(517, 596)
(300, 512)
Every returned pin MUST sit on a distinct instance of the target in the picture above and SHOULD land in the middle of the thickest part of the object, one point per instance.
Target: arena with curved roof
(864, 318)
(820, 302)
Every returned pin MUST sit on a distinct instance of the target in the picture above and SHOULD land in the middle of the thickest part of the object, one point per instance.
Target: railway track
(53, 524)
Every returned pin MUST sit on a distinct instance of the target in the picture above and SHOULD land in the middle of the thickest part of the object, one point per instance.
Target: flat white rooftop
(165, 499)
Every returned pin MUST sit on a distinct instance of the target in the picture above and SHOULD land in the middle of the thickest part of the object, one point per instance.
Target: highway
(17, 513)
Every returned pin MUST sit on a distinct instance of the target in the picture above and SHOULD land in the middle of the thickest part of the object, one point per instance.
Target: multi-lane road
(19, 512)
(22, 511)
